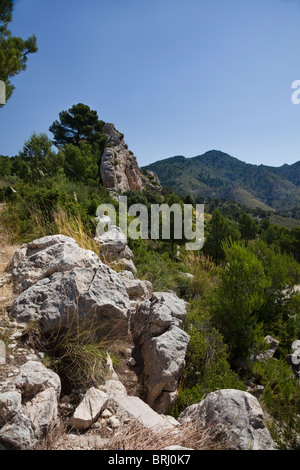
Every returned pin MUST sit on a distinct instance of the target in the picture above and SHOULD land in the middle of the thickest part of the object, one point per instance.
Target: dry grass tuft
(204, 270)
(73, 226)
(77, 351)
(135, 436)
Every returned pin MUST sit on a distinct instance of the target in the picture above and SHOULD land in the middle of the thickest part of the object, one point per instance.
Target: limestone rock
(164, 365)
(130, 408)
(42, 412)
(293, 359)
(89, 409)
(296, 345)
(30, 408)
(65, 282)
(157, 332)
(10, 404)
(151, 180)
(45, 256)
(18, 434)
(119, 170)
(114, 249)
(136, 289)
(235, 417)
(34, 378)
(269, 353)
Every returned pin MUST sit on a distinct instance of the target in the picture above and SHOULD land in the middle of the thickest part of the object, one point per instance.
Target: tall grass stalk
(73, 226)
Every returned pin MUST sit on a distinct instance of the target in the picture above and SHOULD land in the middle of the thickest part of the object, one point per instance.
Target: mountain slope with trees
(219, 175)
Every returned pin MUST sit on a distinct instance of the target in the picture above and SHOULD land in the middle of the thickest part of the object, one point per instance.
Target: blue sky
(177, 77)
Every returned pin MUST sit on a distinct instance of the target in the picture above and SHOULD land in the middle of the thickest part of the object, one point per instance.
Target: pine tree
(79, 135)
(14, 51)
(237, 300)
(247, 227)
(76, 125)
(219, 230)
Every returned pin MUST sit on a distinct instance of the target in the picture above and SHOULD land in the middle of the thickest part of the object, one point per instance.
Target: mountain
(219, 175)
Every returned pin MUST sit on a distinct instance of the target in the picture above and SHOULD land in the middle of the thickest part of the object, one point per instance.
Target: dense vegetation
(40, 182)
(242, 284)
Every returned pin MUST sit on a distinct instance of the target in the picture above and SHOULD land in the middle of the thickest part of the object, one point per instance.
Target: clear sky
(177, 77)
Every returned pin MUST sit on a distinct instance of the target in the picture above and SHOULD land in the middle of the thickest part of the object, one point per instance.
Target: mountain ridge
(220, 175)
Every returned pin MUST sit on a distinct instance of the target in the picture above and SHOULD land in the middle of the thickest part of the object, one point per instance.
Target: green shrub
(237, 299)
(207, 361)
(5, 166)
(154, 266)
(30, 209)
(281, 398)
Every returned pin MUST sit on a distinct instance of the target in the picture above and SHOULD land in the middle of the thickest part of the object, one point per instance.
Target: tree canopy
(78, 134)
(76, 125)
(237, 299)
(219, 230)
(14, 50)
(247, 227)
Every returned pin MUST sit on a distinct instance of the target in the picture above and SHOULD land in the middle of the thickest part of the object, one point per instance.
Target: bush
(205, 274)
(237, 299)
(207, 361)
(154, 266)
(30, 210)
(5, 166)
(281, 397)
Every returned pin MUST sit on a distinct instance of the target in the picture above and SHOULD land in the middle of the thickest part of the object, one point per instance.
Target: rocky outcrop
(269, 353)
(119, 169)
(110, 405)
(56, 280)
(158, 335)
(127, 408)
(48, 255)
(137, 290)
(29, 408)
(151, 180)
(61, 281)
(235, 418)
(114, 249)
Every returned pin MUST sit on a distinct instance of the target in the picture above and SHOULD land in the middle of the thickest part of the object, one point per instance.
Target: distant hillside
(218, 175)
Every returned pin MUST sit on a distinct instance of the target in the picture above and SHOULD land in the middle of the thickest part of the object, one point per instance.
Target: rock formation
(293, 359)
(236, 418)
(151, 180)
(114, 249)
(56, 280)
(158, 334)
(269, 353)
(65, 282)
(29, 408)
(119, 170)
